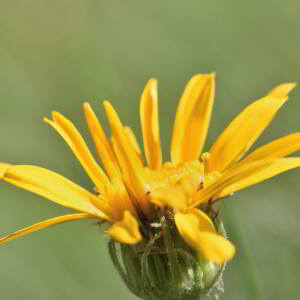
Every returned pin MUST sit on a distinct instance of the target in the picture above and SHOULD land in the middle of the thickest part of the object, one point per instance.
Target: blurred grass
(54, 55)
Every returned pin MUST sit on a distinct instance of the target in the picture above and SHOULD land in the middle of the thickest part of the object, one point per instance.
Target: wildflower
(172, 244)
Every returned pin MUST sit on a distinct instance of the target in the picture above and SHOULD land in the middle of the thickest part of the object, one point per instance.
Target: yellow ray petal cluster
(72, 137)
(242, 132)
(133, 195)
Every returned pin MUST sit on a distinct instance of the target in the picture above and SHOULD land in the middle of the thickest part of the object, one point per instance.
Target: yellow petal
(282, 90)
(230, 177)
(130, 165)
(72, 137)
(279, 148)
(197, 219)
(102, 143)
(193, 118)
(44, 224)
(133, 141)
(199, 234)
(55, 188)
(150, 125)
(3, 168)
(215, 247)
(188, 229)
(278, 166)
(126, 231)
(242, 132)
(170, 197)
(118, 197)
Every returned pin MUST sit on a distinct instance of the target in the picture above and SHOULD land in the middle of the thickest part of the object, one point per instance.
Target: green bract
(164, 267)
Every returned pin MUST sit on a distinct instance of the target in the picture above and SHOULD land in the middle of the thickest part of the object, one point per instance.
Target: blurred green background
(54, 55)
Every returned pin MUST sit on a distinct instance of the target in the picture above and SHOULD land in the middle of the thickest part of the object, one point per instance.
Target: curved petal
(193, 118)
(102, 143)
(279, 148)
(130, 164)
(55, 188)
(72, 137)
(282, 90)
(230, 177)
(44, 224)
(242, 132)
(3, 168)
(197, 219)
(119, 199)
(278, 166)
(198, 232)
(215, 247)
(150, 125)
(133, 142)
(126, 231)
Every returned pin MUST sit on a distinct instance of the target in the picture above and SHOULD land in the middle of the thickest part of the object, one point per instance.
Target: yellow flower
(132, 198)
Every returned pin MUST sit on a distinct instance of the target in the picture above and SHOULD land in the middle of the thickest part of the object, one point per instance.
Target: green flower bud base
(164, 267)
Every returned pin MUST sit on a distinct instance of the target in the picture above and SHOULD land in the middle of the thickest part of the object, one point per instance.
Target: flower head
(143, 201)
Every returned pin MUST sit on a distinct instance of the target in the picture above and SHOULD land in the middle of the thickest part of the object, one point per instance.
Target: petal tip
(86, 105)
(106, 103)
(56, 115)
(283, 89)
(46, 120)
(111, 114)
(3, 169)
(87, 109)
(212, 76)
(152, 81)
